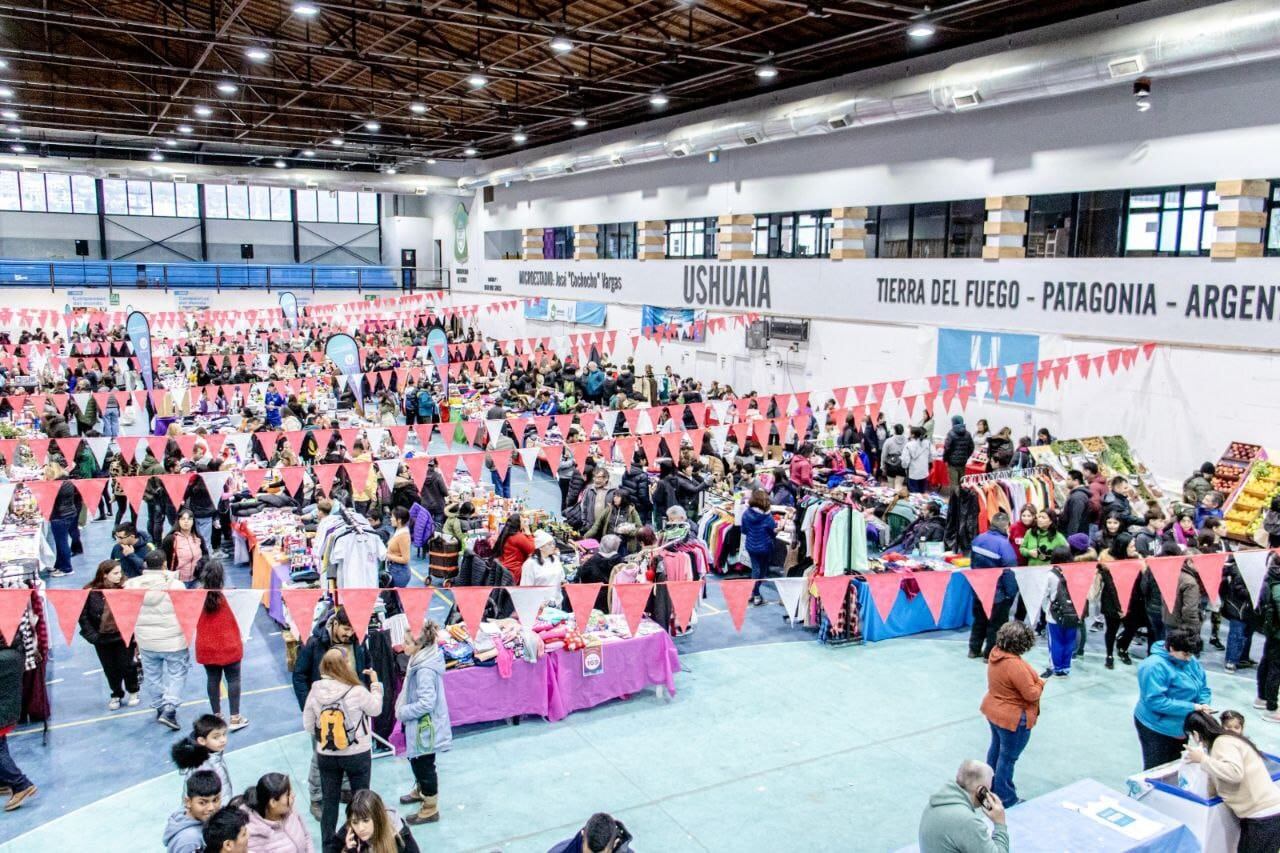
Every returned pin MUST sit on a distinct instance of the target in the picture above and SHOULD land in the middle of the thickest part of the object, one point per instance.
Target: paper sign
(593, 661)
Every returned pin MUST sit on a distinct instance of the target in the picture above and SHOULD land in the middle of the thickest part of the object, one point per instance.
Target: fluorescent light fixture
(202, 110)
(417, 108)
(372, 126)
(156, 156)
(390, 170)
(226, 87)
(4, 63)
(280, 164)
(519, 137)
(659, 99)
(306, 10)
(6, 92)
(766, 71)
(477, 80)
(256, 54)
(431, 161)
(18, 148)
(560, 44)
(172, 143)
(337, 142)
(14, 129)
(921, 29)
(579, 122)
(470, 152)
(9, 115)
(308, 152)
(185, 128)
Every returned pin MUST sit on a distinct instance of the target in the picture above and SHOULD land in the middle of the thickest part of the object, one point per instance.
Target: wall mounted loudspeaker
(246, 251)
(82, 248)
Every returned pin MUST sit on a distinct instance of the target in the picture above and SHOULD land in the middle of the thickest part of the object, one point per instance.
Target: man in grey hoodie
(184, 833)
(952, 822)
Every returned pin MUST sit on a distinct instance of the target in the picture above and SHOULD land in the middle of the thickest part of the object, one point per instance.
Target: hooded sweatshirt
(283, 836)
(1168, 690)
(157, 629)
(183, 833)
(421, 707)
(358, 704)
(952, 824)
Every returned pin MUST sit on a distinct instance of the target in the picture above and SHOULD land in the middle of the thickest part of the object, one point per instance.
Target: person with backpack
(1237, 609)
(1062, 617)
(892, 457)
(428, 409)
(1268, 619)
(337, 715)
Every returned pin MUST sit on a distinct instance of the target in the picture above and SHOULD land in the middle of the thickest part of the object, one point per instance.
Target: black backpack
(1064, 612)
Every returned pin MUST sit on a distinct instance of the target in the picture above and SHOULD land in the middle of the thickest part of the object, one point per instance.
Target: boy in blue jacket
(1171, 684)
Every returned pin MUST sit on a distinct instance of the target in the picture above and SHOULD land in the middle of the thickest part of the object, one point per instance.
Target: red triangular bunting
(415, 601)
(1165, 571)
(470, 601)
(984, 583)
(582, 598)
(933, 586)
(1079, 577)
(684, 597)
(90, 491)
(67, 603)
(45, 493)
(302, 608)
(1209, 566)
(358, 603)
(13, 604)
(831, 592)
(884, 588)
(187, 604)
(125, 605)
(1123, 574)
(633, 597)
(736, 593)
(175, 486)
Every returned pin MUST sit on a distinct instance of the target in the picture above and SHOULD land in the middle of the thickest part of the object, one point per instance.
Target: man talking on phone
(952, 822)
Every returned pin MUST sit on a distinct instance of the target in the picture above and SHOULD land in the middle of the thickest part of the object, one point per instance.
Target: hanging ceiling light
(185, 128)
(431, 161)
(766, 71)
(390, 170)
(921, 29)
(202, 110)
(470, 152)
(8, 115)
(308, 152)
(519, 137)
(14, 129)
(659, 99)
(372, 126)
(337, 142)
(18, 148)
(477, 80)
(4, 63)
(560, 44)
(156, 156)
(417, 108)
(305, 10)
(579, 121)
(6, 92)
(226, 87)
(256, 54)
(172, 143)
(280, 164)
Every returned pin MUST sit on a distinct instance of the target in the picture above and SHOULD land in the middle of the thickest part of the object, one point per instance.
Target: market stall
(1248, 481)
(910, 613)
(1113, 456)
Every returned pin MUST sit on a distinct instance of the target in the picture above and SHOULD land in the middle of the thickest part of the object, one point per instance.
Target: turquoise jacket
(421, 707)
(1168, 690)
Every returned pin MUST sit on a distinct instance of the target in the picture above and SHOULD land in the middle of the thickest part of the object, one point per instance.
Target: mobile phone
(984, 797)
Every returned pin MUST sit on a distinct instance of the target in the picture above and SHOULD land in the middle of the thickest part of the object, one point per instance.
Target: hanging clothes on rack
(352, 553)
(981, 496)
(33, 641)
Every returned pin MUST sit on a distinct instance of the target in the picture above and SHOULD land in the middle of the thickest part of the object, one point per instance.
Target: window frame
(1164, 213)
(687, 229)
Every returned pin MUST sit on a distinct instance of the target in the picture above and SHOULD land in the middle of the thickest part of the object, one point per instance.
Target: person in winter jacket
(991, 550)
(371, 827)
(1075, 516)
(672, 489)
(1011, 705)
(1269, 622)
(1110, 604)
(759, 531)
(64, 519)
(635, 483)
(1040, 542)
(893, 459)
(1116, 502)
(1199, 484)
(12, 667)
(184, 831)
(1186, 611)
(1150, 539)
(185, 548)
(337, 714)
(202, 750)
(434, 492)
(596, 498)
(1171, 684)
(801, 471)
(1061, 615)
(956, 450)
(619, 518)
(99, 628)
(460, 520)
(131, 548)
(1241, 778)
(1237, 609)
(274, 824)
(602, 832)
(953, 821)
(917, 456)
(161, 643)
(219, 648)
(423, 712)
(1097, 489)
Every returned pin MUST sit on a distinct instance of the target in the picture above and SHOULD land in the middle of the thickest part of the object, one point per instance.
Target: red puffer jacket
(218, 637)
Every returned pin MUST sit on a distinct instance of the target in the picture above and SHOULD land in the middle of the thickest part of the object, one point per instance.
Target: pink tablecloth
(555, 687)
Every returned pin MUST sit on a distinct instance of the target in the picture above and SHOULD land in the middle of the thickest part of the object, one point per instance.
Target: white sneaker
(1272, 716)
(131, 699)
(1260, 704)
(114, 704)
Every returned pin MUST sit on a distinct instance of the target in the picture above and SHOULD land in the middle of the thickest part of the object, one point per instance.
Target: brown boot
(413, 796)
(428, 812)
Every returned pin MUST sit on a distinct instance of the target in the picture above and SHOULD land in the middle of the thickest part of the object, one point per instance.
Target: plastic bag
(1193, 779)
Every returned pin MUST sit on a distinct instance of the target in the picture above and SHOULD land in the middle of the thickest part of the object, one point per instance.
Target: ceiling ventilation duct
(1219, 36)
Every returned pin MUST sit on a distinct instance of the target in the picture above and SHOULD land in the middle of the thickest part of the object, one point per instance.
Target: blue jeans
(1062, 643)
(61, 529)
(111, 422)
(204, 526)
(10, 774)
(501, 485)
(164, 674)
(1239, 639)
(399, 574)
(759, 570)
(1003, 753)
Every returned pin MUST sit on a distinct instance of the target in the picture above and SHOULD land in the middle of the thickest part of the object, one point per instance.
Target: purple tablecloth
(555, 687)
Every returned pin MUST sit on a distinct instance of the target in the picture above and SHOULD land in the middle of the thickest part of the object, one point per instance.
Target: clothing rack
(1004, 474)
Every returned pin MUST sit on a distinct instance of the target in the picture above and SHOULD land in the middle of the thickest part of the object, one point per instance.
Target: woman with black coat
(99, 628)
(635, 484)
(672, 489)
(64, 519)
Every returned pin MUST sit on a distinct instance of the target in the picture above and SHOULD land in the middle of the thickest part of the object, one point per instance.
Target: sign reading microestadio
(1191, 300)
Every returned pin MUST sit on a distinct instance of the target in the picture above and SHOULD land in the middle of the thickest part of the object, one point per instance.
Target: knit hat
(542, 539)
(958, 420)
(1079, 542)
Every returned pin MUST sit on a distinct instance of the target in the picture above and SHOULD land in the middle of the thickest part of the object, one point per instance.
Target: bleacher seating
(124, 274)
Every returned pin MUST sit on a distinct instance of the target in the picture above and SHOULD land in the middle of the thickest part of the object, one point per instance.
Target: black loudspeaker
(82, 248)
(246, 251)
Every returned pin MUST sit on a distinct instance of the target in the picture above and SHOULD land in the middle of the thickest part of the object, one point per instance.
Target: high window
(691, 238)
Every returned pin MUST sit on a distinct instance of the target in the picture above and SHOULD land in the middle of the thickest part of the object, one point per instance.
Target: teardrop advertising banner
(343, 351)
(438, 346)
(289, 306)
(138, 328)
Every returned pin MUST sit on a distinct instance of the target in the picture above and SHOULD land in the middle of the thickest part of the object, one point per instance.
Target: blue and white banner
(343, 351)
(438, 345)
(565, 311)
(289, 306)
(138, 328)
(689, 322)
(960, 351)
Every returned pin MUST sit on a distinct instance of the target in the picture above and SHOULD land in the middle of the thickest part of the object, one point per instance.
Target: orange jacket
(1013, 688)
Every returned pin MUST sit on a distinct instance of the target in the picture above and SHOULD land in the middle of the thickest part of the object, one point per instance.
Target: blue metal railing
(123, 274)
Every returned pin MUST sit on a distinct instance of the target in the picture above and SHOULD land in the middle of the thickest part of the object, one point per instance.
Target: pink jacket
(286, 836)
(801, 471)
